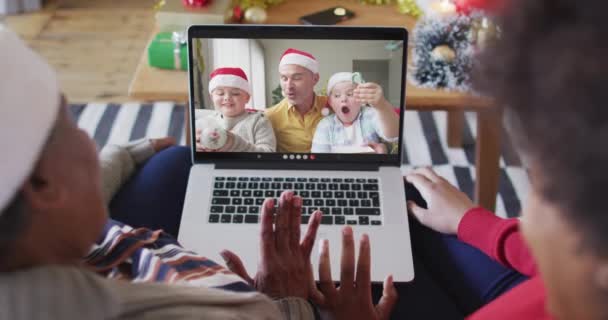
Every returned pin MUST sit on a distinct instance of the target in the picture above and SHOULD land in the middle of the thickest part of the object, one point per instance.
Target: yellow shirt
(293, 131)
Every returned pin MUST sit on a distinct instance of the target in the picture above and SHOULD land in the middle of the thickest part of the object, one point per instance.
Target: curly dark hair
(548, 70)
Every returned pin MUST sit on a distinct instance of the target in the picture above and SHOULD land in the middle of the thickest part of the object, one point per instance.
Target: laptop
(352, 184)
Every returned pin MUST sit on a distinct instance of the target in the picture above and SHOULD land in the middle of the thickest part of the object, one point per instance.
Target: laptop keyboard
(343, 201)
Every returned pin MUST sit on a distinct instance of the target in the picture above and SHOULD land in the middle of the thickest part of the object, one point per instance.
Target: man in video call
(295, 118)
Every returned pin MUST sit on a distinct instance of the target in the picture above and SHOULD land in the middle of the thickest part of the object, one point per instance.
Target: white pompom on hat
(29, 105)
(229, 77)
(337, 78)
(300, 58)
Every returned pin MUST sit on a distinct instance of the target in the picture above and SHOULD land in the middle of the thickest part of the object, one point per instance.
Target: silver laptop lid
(298, 95)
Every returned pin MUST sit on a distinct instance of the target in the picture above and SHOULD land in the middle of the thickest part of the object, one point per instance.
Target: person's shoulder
(51, 290)
(277, 107)
(256, 115)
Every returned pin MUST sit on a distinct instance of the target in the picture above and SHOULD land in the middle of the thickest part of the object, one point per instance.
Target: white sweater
(252, 131)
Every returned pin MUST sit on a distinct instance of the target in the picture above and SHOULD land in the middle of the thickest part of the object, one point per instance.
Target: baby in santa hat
(361, 117)
(232, 128)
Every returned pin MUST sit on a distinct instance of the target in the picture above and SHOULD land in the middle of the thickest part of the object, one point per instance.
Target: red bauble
(195, 3)
(237, 13)
(493, 6)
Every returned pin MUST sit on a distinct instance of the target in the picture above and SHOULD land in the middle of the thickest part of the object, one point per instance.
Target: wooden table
(154, 84)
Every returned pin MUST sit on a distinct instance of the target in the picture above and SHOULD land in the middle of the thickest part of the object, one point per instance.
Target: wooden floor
(93, 44)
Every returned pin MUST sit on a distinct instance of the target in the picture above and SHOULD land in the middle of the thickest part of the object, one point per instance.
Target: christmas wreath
(443, 53)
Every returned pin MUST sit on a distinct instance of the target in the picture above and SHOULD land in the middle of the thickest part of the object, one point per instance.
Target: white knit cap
(229, 77)
(29, 104)
(301, 58)
(337, 78)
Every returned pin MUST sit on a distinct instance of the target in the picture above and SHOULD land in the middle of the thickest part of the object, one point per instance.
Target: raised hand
(370, 93)
(284, 269)
(352, 300)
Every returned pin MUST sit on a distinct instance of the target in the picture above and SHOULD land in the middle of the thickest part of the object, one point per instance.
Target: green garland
(244, 4)
(403, 6)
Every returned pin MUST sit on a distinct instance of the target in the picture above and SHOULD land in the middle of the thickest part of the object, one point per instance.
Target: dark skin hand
(284, 269)
(353, 298)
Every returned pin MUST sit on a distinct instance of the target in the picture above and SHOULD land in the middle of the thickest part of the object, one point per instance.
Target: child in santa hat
(232, 128)
(361, 116)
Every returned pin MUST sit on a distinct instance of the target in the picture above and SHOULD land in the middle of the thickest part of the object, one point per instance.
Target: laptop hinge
(240, 165)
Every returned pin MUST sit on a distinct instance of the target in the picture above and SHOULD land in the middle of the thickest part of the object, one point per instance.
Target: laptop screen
(277, 93)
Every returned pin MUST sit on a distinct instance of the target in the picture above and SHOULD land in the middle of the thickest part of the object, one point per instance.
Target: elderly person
(548, 70)
(295, 118)
(53, 210)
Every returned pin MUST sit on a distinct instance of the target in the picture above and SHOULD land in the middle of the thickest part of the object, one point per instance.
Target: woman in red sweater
(548, 69)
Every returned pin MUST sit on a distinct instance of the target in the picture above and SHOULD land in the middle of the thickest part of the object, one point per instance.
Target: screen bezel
(296, 33)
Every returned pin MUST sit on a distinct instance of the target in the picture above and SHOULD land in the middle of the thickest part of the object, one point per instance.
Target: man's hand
(353, 299)
(284, 269)
(370, 93)
(162, 143)
(446, 204)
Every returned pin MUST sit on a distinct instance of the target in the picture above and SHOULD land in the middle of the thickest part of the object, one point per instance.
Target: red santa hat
(29, 105)
(229, 77)
(300, 58)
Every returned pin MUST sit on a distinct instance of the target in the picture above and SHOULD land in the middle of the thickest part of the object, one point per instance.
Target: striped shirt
(142, 255)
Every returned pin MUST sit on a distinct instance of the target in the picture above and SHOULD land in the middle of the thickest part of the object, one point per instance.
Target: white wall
(243, 53)
(333, 56)
(394, 77)
(260, 60)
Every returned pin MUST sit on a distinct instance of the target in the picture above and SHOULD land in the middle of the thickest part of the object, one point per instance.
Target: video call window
(297, 96)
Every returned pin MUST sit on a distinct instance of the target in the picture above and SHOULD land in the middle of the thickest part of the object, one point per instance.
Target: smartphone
(328, 16)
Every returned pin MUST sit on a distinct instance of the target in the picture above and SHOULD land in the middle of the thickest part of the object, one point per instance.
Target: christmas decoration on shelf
(408, 7)
(447, 40)
(249, 11)
(466, 7)
(195, 3)
(488, 6)
(168, 50)
(443, 53)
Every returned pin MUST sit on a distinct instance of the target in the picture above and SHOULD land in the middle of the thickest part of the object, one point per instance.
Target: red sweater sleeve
(498, 238)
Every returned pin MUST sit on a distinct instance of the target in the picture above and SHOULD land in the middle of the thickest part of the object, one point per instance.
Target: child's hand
(199, 134)
(370, 93)
(227, 146)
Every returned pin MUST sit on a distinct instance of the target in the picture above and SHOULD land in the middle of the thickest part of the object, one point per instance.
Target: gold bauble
(443, 53)
(255, 15)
